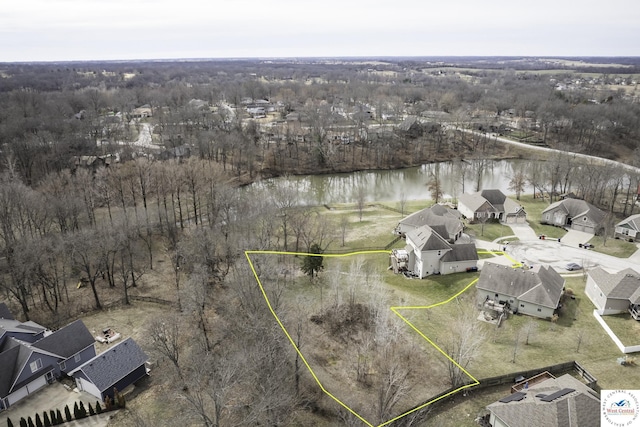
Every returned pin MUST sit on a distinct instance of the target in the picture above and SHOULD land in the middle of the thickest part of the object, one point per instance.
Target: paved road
(532, 250)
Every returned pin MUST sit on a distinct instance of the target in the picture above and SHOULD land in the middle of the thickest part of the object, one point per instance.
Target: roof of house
(425, 239)
(560, 402)
(632, 222)
(436, 215)
(496, 199)
(109, 367)
(624, 284)
(29, 327)
(5, 313)
(67, 341)
(576, 208)
(541, 285)
(461, 252)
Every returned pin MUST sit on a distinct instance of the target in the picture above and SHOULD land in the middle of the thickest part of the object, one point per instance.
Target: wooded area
(108, 168)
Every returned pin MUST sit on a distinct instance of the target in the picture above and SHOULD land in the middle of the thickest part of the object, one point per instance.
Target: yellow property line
(394, 309)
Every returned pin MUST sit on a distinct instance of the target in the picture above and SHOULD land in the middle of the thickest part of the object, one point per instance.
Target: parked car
(573, 266)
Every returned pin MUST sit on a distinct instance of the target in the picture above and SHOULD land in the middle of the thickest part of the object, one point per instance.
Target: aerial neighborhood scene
(242, 216)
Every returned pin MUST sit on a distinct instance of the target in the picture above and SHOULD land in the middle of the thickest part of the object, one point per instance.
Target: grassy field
(575, 336)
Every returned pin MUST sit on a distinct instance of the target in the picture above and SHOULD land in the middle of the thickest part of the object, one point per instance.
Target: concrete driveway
(54, 396)
(531, 250)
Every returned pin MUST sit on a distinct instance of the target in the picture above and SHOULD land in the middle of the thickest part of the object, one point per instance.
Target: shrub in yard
(9, 423)
(45, 419)
(91, 411)
(108, 403)
(98, 407)
(76, 410)
(82, 411)
(30, 422)
(67, 413)
(59, 419)
(23, 422)
(39, 421)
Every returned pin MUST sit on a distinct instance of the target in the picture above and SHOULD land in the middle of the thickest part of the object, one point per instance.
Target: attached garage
(25, 391)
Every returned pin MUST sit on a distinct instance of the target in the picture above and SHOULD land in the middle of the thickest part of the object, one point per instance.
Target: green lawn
(626, 328)
(615, 247)
(489, 231)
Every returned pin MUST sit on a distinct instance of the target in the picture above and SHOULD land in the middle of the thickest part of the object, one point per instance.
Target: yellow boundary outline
(393, 309)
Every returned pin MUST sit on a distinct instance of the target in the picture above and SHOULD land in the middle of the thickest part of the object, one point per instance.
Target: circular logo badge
(620, 408)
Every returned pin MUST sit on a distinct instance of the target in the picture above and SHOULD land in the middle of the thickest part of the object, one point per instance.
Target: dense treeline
(66, 217)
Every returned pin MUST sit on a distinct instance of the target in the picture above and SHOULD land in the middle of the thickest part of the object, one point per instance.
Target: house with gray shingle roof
(73, 343)
(613, 293)
(5, 313)
(491, 204)
(430, 253)
(575, 214)
(629, 229)
(116, 368)
(434, 216)
(535, 292)
(555, 402)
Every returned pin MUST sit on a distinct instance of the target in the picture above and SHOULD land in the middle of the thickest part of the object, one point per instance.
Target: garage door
(18, 395)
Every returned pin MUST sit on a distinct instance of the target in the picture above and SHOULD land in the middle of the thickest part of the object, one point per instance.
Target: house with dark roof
(575, 214)
(5, 313)
(535, 292)
(73, 344)
(614, 293)
(434, 216)
(116, 368)
(430, 253)
(555, 402)
(628, 229)
(491, 204)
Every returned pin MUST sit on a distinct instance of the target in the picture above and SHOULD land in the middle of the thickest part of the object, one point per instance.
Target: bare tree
(164, 334)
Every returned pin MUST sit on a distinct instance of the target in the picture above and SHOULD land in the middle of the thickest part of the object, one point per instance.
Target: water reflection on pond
(393, 185)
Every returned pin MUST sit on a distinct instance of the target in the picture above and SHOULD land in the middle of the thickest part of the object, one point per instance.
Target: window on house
(77, 358)
(36, 365)
(63, 366)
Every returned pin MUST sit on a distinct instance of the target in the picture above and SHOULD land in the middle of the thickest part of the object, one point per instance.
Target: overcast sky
(61, 30)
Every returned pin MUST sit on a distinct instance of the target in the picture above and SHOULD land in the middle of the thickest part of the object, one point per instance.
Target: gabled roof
(14, 355)
(541, 285)
(497, 201)
(624, 284)
(576, 405)
(67, 341)
(575, 208)
(29, 327)
(461, 252)
(5, 313)
(436, 215)
(109, 367)
(632, 222)
(8, 361)
(425, 239)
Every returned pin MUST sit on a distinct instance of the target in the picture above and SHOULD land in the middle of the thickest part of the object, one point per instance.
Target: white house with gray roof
(535, 292)
(491, 204)
(433, 216)
(430, 253)
(575, 214)
(613, 293)
(628, 229)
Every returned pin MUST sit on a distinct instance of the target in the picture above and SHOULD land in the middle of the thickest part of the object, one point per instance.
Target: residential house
(116, 368)
(491, 204)
(629, 229)
(411, 128)
(32, 356)
(614, 293)
(555, 402)
(535, 292)
(430, 253)
(575, 214)
(436, 215)
(73, 344)
(142, 112)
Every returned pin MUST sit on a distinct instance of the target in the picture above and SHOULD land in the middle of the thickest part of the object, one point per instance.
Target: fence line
(614, 337)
